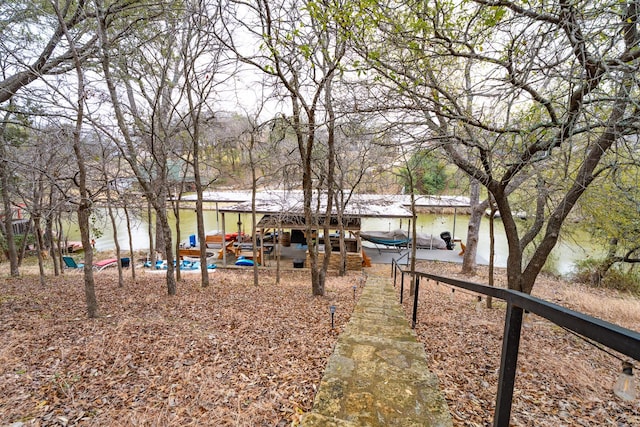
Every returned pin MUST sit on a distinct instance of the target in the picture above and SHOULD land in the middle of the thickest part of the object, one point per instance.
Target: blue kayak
(242, 261)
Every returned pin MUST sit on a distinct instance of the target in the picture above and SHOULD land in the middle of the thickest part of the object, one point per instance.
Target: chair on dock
(99, 266)
(228, 246)
(71, 263)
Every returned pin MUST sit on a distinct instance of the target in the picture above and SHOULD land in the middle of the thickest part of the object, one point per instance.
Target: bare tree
(202, 64)
(85, 202)
(553, 93)
(6, 186)
(109, 176)
(27, 56)
(155, 126)
(302, 50)
(40, 42)
(357, 157)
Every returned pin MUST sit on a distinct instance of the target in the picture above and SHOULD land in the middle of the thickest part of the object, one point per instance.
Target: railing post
(415, 302)
(401, 286)
(508, 365)
(394, 274)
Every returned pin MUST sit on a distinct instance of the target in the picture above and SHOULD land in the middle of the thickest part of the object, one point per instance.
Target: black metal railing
(622, 340)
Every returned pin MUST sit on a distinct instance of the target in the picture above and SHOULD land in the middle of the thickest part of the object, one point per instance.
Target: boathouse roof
(290, 202)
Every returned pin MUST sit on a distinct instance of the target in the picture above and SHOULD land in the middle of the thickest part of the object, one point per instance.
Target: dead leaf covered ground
(239, 355)
(561, 379)
(231, 354)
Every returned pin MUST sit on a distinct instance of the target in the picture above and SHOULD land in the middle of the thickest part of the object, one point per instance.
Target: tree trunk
(152, 248)
(58, 243)
(305, 147)
(492, 247)
(23, 247)
(330, 178)
(606, 264)
(278, 254)
(39, 248)
(114, 225)
(202, 235)
(254, 184)
(132, 264)
(84, 212)
(38, 190)
(5, 183)
(161, 243)
(473, 232)
(49, 237)
(413, 234)
(341, 232)
(84, 206)
(168, 250)
(176, 214)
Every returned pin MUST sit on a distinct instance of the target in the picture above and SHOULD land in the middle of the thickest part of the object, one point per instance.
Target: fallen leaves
(561, 380)
(231, 354)
(241, 355)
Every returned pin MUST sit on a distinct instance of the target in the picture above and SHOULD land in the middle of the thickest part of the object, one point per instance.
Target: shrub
(622, 279)
(619, 277)
(585, 269)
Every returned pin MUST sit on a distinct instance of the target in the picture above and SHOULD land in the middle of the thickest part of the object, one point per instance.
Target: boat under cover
(400, 238)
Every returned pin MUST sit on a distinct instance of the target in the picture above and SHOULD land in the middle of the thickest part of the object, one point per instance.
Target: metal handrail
(623, 340)
(406, 254)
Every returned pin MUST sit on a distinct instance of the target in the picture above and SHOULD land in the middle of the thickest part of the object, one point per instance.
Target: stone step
(317, 420)
(378, 373)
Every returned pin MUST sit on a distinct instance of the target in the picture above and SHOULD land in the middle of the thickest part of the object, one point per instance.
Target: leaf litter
(561, 380)
(235, 354)
(231, 354)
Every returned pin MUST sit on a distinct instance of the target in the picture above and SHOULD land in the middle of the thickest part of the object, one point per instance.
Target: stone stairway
(378, 373)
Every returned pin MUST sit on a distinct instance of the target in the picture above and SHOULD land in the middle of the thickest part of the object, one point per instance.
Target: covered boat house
(280, 224)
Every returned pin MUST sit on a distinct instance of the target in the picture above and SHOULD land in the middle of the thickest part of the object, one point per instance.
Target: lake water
(566, 253)
(562, 260)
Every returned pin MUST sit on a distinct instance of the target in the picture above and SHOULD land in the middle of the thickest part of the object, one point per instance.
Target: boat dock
(383, 255)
